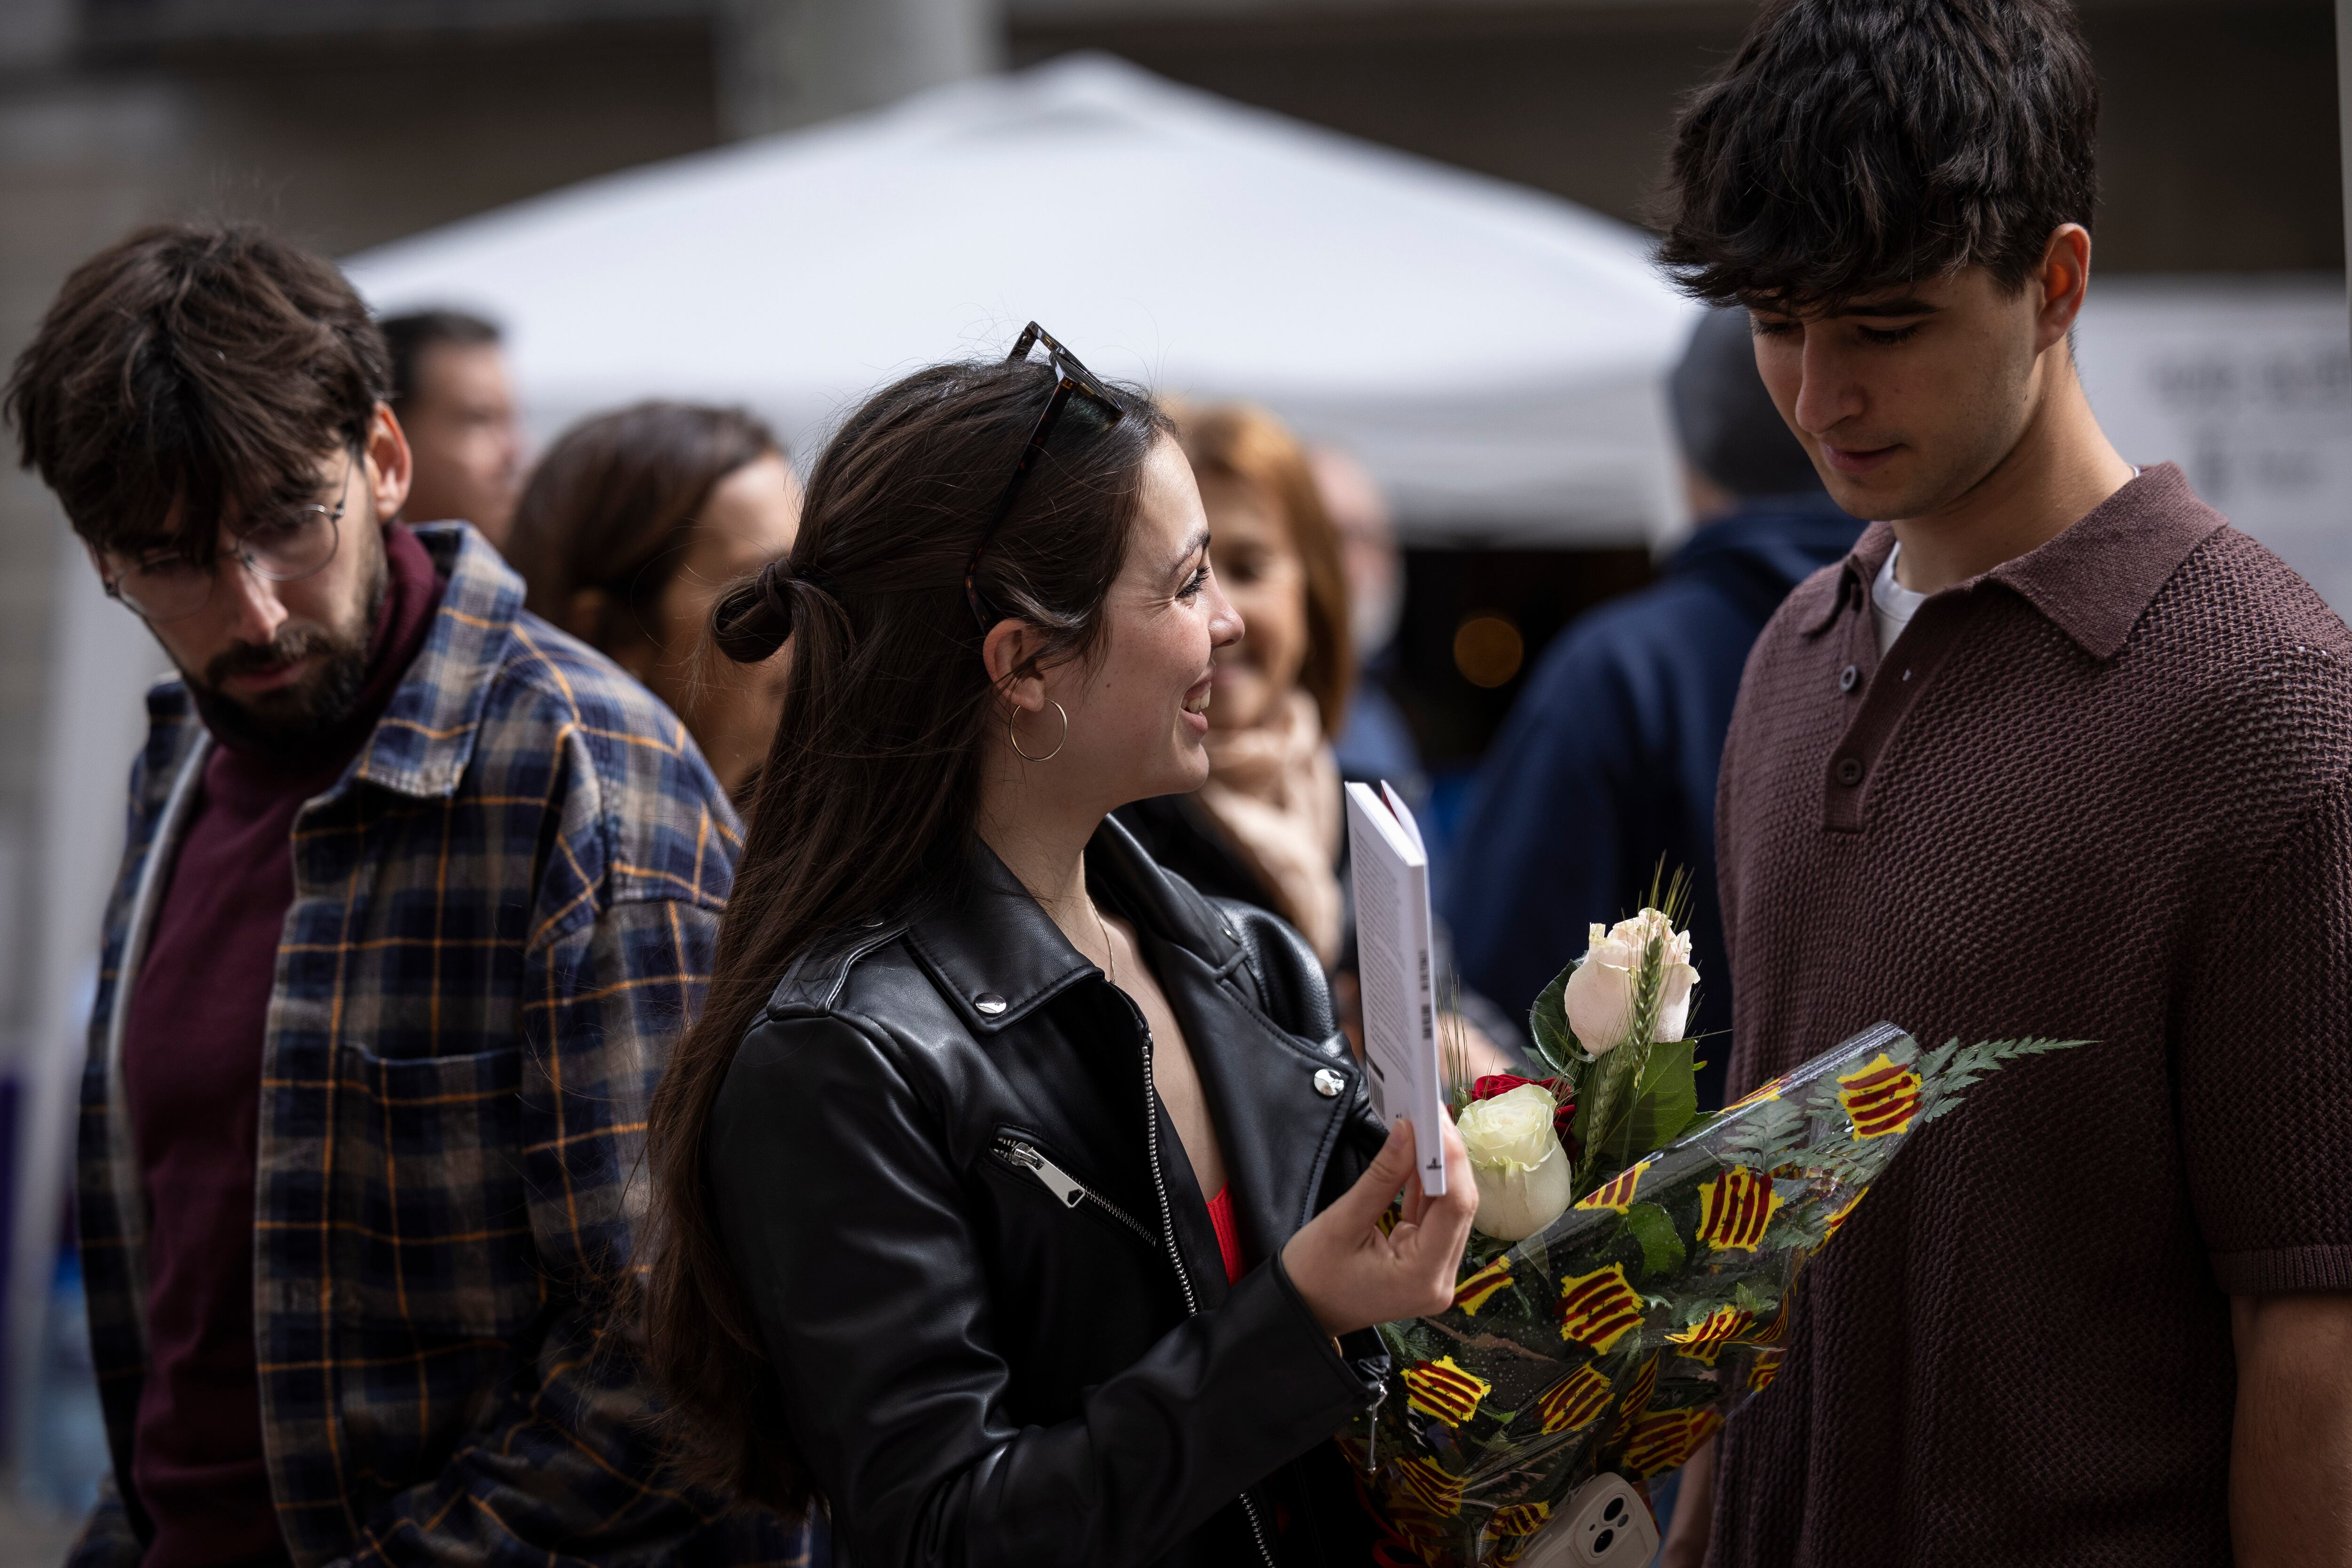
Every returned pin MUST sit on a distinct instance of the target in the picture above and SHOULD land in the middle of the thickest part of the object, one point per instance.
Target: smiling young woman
(1016, 1201)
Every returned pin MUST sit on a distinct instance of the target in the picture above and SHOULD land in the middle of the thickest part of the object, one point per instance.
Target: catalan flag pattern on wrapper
(1836, 1222)
(1473, 1292)
(1638, 1390)
(1430, 1486)
(1703, 1340)
(1880, 1097)
(1658, 1342)
(1761, 1092)
(1735, 1208)
(1576, 1401)
(1522, 1519)
(1617, 1192)
(1597, 1308)
(1441, 1389)
(1663, 1440)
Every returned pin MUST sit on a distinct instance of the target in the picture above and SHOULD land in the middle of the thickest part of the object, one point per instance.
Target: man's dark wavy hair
(1851, 146)
(199, 364)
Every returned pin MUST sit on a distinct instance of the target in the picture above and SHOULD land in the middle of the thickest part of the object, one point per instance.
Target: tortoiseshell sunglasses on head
(1071, 377)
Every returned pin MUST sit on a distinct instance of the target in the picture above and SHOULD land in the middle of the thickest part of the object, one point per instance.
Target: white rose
(1522, 1172)
(1599, 992)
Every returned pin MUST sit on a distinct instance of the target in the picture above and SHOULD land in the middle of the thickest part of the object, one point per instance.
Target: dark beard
(293, 724)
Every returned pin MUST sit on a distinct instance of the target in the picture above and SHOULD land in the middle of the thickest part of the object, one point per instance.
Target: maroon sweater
(2099, 791)
(191, 1069)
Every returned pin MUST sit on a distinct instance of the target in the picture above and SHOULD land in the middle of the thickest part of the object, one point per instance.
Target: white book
(1392, 926)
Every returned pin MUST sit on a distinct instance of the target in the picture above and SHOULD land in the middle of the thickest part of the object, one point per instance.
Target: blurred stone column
(783, 63)
(83, 160)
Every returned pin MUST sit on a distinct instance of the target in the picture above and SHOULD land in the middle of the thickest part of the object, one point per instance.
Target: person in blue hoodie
(1607, 760)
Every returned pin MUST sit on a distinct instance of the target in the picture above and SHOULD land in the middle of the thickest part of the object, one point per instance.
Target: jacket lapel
(1276, 1129)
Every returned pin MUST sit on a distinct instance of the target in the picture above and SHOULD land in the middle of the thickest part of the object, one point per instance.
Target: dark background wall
(2219, 141)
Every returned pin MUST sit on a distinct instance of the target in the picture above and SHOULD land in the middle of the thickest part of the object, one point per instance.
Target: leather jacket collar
(997, 955)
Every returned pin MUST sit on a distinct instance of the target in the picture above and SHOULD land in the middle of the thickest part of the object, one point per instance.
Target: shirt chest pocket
(435, 1237)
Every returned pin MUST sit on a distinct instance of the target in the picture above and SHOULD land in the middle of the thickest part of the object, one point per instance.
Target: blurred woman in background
(1269, 826)
(627, 531)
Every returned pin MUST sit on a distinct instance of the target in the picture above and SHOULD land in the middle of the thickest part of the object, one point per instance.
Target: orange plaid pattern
(503, 914)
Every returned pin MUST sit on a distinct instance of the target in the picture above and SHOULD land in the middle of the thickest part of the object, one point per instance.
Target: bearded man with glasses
(418, 892)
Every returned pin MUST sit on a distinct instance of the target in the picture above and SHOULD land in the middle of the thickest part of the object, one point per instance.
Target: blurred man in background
(418, 891)
(453, 400)
(1608, 760)
(1376, 743)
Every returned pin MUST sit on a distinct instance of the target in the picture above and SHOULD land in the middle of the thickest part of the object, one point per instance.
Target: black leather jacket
(989, 1285)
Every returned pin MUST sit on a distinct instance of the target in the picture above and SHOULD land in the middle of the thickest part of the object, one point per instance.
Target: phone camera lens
(1601, 1542)
(1616, 1507)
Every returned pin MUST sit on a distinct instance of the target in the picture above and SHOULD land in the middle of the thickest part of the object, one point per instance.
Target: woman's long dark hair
(871, 789)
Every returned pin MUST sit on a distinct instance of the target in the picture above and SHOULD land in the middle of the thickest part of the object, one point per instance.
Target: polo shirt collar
(2092, 581)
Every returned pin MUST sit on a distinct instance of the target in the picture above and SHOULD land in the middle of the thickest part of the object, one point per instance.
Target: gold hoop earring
(1013, 740)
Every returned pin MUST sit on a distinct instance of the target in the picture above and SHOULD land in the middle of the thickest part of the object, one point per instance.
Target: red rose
(1493, 1084)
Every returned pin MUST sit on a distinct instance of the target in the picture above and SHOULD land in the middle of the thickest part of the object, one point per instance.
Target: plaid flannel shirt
(503, 915)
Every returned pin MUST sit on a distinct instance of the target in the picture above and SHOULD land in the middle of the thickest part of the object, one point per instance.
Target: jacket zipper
(1072, 1192)
(1168, 1232)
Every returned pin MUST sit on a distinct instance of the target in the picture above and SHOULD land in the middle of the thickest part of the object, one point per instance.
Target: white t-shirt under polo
(1892, 604)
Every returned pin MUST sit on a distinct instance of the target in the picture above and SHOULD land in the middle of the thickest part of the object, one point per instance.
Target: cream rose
(1599, 992)
(1522, 1172)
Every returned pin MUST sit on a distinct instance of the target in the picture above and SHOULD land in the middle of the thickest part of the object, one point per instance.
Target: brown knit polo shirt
(2099, 791)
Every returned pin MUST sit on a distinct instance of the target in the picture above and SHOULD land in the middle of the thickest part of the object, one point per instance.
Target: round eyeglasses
(283, 546)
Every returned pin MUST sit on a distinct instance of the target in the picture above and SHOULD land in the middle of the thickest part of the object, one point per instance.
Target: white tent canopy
(1494, 354)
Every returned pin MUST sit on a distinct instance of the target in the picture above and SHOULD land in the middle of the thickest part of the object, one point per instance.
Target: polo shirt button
(1849, 771)
(1847, 677)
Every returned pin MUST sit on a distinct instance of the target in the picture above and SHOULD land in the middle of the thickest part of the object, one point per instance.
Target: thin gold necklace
(1110, 954)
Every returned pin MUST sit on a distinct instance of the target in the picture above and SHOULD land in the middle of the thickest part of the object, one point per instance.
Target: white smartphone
(1603, 1524)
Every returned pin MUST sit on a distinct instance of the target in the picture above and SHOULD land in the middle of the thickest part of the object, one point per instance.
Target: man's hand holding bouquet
(1629, 1277)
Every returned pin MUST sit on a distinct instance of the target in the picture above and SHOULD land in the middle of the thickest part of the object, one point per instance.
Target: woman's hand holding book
(1352, 1273)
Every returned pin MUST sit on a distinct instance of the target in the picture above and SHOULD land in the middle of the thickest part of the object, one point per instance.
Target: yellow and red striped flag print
(1705, 1339)
(1764, 1369)
(1836, 1222)
(1879, 1099)
(1617, 1192)
(1441, 1389)
(1663, 1441)
(1472, 1293)
(1577, 1400)
(1428, 1484)
(1637, 1397)
(1599, 1308)
(1735, 1208)
(1521, 1518)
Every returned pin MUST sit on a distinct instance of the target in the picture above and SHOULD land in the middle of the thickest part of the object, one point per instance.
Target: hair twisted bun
(754, 618)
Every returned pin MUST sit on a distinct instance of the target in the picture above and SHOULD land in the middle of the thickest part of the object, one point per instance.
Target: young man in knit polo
(418, 892)
(2055, 751)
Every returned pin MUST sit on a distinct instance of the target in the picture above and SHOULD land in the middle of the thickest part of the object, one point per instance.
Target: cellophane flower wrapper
(1622, 1335)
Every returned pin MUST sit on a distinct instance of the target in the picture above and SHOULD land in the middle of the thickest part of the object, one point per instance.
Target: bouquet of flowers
(1629, 1279)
